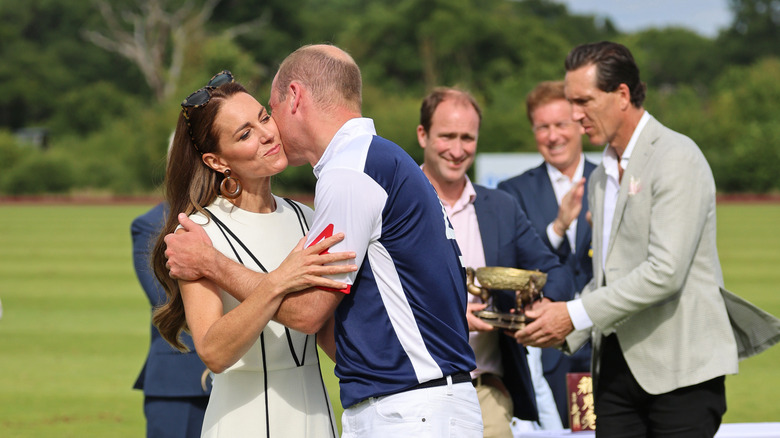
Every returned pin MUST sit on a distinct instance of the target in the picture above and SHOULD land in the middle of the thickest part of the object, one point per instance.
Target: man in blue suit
(176, 385)
(491, 230)
(552, 195)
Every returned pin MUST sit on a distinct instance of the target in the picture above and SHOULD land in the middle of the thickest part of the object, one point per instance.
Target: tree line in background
(90, 91)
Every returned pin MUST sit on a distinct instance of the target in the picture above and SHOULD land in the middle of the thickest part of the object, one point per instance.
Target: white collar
(350, 129)
(556, 175)
(610, 157)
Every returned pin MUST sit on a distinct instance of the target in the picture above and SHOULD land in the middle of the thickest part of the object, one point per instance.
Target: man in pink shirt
(491, 230)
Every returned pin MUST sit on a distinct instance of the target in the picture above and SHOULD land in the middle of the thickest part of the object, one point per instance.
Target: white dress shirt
(579, 317)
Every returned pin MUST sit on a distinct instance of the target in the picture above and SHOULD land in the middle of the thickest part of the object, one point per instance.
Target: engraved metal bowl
(494, 277)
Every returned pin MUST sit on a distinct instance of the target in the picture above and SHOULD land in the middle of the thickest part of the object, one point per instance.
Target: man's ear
(422, 136)
(625, 96)
(296, 94)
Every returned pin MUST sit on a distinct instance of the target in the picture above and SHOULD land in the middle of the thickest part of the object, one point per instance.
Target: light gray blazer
(661, 289)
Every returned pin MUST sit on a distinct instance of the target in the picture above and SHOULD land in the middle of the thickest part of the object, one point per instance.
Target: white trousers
(450, 410)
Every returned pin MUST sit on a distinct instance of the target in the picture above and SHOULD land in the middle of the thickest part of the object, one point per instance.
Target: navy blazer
(167, 372)
(509, 240)
(534, 191)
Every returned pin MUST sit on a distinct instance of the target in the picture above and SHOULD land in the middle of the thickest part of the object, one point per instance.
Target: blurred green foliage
(108, 131)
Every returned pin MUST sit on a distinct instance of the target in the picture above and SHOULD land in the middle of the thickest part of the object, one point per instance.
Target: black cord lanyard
(225, 231)
(304, 229)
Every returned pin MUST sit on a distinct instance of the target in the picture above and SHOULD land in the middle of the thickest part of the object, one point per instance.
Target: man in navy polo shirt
(398, 331)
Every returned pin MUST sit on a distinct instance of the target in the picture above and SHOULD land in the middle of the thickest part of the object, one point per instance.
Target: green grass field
(75, 323)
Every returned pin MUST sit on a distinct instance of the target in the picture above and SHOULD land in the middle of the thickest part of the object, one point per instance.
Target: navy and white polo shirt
(403, 321)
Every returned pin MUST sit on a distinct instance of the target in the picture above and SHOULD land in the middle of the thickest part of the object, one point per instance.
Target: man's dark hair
(614, 66)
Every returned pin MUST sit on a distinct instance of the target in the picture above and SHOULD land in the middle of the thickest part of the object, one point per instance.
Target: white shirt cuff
(555, 240)
(579, 317)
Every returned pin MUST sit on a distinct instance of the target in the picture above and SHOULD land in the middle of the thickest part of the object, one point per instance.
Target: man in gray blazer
(665, 332)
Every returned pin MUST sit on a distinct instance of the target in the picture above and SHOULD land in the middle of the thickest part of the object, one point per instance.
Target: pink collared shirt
(463, 217)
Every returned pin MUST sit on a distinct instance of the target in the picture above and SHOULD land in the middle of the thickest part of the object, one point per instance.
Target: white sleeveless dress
(276, 388)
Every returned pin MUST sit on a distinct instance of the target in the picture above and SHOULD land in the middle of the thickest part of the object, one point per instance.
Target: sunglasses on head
(201, 98)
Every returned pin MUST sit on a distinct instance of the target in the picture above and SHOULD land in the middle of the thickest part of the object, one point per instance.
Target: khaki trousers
(496, 411)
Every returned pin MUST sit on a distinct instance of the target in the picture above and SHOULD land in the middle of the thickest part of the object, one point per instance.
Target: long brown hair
(190, 185)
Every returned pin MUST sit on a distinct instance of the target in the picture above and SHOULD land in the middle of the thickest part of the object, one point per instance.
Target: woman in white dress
(267, 380)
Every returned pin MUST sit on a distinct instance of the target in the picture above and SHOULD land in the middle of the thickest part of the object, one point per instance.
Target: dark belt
(460, 377)
(493, 380)
(486, 379)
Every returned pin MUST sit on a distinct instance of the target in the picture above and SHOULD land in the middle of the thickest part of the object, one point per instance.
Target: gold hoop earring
(223, 186)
